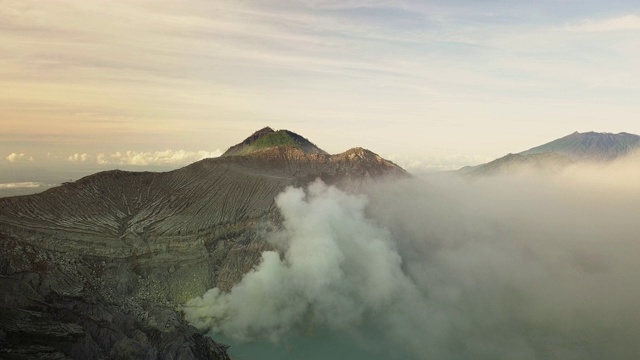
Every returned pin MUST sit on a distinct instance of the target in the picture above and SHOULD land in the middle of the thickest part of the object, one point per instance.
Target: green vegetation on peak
(268, 138)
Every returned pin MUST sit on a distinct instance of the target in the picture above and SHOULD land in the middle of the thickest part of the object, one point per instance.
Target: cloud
(622, 23)
(531, 267)
(19, 157)
(79, 158)
(166, 157)
(21, 185)
(144, 158)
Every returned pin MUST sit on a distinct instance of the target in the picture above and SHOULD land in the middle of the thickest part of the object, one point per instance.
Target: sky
(432, 85)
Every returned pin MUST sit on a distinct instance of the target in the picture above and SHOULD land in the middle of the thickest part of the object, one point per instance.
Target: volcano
(556, 155)
(99, 268)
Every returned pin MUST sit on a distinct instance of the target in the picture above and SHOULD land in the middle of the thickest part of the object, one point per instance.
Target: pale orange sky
(429, 84)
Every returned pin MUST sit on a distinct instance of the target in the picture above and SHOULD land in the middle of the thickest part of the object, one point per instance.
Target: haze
(521, 266)
(432, 85)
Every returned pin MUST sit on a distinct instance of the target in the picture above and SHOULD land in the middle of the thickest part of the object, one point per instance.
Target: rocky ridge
(99, 268)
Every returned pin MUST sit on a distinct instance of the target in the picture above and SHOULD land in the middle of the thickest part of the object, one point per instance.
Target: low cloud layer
(21, 185)
(79, 158)
(531, 267)
(19, 157)
(141, 158)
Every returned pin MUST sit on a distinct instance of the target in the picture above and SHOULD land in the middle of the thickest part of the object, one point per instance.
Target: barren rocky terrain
(99, 268)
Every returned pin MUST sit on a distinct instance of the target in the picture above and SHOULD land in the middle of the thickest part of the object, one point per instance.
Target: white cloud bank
(79, 158)
(19, 157)
(141, 158)
(167, 157)
(21, 185)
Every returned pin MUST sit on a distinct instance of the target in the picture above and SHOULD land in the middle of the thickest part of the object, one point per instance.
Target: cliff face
(98, 267)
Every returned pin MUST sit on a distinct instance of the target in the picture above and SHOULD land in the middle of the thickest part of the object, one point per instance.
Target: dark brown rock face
(99, 268)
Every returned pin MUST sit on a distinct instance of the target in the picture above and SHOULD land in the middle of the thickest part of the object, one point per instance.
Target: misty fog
(520, 266)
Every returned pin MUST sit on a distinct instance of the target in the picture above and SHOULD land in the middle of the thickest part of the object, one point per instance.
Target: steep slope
(103, 264)
(590, 146)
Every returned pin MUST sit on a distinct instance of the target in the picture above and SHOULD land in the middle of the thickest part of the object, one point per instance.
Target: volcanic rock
(99, 268)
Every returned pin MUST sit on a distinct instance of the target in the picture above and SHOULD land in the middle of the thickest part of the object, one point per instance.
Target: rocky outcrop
(59, 305)
(99, 268)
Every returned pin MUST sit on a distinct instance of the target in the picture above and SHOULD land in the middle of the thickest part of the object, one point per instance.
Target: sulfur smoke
(511, 267)
(337, 267)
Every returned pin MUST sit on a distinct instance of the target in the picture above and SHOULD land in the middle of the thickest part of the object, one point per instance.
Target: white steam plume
(337, 267)
(518, 267)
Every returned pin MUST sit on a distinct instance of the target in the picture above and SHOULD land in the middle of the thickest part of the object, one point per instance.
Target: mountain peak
(372, 162)
(560, 153)
(590, 146)
(267, 138)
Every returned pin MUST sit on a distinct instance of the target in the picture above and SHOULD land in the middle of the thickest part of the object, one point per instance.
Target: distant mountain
(267, 137)
(513, 163)
(558, 154)
(99, 268)
(590, 146)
